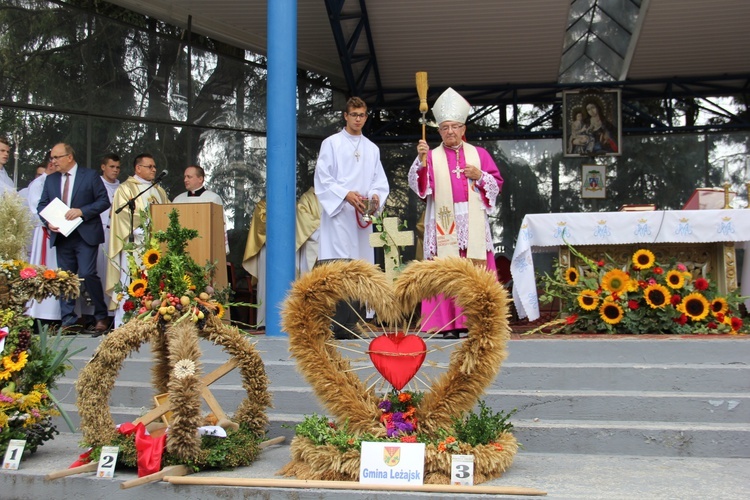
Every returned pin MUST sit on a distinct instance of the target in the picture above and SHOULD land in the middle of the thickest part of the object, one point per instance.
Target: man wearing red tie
(82, 191)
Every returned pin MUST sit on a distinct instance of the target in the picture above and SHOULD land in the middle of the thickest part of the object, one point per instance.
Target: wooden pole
(422, 87)
(174, 470)
(89, 467)
(352, 485)
(272, 441)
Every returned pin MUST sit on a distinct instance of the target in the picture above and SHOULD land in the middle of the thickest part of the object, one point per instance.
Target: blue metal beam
(281, 192)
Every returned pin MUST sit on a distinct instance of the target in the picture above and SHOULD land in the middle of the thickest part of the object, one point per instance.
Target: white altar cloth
(547, 232)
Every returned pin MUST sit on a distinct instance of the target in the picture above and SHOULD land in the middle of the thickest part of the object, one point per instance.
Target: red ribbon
(149, 449)
(83, 459)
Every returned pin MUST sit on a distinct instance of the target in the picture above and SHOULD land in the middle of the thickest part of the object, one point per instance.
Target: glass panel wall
(135, 85)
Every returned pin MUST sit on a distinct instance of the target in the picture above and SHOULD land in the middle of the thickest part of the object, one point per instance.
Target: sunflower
(657, 296)
(615, 281)
(675, 279)
(221, 310)
(137, 288)
(611, 312)
(719, 305)
(571, 276)
(644, 259)
(14, 366)
(588, 300)
(696, 306)
(151, 258)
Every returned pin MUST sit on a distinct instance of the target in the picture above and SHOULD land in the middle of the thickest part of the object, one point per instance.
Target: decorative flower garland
(26, 405)
(473, 366)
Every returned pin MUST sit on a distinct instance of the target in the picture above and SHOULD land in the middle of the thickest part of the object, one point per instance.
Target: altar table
(550, 232)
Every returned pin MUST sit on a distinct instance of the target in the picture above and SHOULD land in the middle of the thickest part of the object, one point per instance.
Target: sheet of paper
(54, 214)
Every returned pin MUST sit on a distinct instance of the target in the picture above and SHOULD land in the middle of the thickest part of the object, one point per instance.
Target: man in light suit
(83, 192)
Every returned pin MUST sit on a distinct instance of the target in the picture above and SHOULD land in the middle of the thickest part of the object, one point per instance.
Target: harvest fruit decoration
(168, 287)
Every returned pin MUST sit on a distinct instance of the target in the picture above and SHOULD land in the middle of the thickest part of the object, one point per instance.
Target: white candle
(747, 168)
(726, 172)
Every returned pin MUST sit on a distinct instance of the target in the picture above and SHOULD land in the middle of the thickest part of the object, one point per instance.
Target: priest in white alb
(120, 225)
(460, 183)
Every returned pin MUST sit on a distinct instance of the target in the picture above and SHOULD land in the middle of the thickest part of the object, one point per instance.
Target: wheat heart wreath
(472, 368)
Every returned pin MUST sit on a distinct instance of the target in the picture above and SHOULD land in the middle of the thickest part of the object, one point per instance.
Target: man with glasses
(120, 225)
(460, 183)
(349, 182)
(83, 192)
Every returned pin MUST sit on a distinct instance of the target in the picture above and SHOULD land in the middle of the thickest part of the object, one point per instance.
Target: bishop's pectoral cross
(457, 171)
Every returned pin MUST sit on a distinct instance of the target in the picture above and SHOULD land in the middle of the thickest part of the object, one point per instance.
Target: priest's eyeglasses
(452, 126)
(358, 115)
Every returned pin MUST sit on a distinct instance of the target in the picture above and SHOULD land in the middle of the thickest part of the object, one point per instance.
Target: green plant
(483, 427)
(321, 431)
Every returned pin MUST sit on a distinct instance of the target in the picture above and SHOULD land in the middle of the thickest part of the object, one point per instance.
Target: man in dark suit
(82, 190)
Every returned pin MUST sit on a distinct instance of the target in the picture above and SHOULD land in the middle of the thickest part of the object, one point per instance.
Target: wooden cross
(205, 394)
(393, 239)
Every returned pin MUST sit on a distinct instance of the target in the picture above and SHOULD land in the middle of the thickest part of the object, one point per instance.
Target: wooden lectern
(208, 220)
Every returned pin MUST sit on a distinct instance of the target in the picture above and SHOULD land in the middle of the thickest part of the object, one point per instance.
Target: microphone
(159, 177)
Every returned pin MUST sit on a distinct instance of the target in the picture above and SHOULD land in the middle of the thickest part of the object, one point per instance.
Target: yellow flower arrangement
(168, 285)
(28, 362)
(639, 297)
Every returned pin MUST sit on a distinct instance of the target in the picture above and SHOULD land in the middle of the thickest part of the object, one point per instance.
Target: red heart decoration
(397, 357)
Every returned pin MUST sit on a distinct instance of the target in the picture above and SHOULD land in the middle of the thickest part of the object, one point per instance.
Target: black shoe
(450, 335)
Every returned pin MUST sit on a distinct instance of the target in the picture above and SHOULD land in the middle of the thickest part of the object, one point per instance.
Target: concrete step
(648, 396)
(579, 404)
(562, 476)
(555, 349)
(647, 438)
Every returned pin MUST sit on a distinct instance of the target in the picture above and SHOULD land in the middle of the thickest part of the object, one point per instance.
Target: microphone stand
(131, 205)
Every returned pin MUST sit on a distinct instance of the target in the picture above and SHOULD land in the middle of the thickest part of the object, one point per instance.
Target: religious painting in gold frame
(592, 124)
(594, 181)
